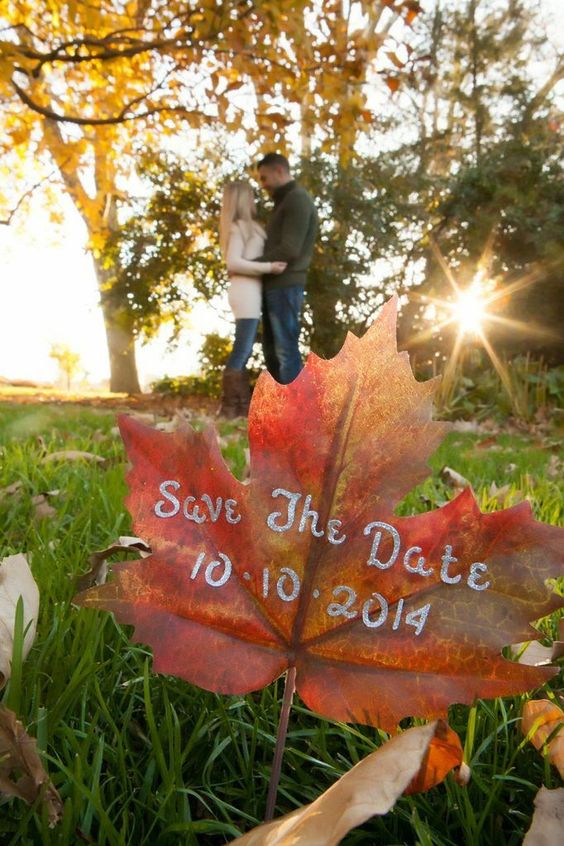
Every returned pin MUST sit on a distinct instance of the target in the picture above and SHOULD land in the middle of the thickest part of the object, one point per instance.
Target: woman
(240, 238)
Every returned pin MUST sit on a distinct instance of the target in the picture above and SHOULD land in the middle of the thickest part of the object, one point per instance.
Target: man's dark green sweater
(290, 235)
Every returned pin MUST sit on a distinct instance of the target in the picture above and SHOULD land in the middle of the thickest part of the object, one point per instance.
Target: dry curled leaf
(11, 490)
(16, 580)
(488, 443)
(467, 426)
(99, 436)
(554, 468)
(420, 756)
(535, 654)
(308, 566)
(22, 773)
(547, 825)
(98, 572)
(544, 719)
(504, 495)
(42, 509)
(453, 479)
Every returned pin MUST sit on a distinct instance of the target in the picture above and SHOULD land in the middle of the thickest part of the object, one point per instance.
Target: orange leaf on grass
(443, 754)
(546, 720)
(307, 565)
(370, 788)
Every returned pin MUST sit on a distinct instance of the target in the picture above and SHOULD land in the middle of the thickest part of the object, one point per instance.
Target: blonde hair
(237, 206)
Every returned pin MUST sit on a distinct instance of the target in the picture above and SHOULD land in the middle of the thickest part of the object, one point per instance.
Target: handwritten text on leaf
(308, 566)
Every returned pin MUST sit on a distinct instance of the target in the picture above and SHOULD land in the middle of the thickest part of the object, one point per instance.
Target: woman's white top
(245, 288)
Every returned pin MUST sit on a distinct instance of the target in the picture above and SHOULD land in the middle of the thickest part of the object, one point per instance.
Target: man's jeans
(281, 308)
(245, 334)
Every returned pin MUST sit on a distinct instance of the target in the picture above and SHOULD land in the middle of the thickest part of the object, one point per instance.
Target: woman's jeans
(245, 334)
(281, 309)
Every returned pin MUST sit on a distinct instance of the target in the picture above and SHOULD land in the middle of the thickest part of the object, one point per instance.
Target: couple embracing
(267, 276)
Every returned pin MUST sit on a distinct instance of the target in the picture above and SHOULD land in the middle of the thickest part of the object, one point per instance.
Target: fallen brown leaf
(179, 418)
(466, 426)
(22, 773)
(98, 572)
(98, 436)
(548, 819)
(41, 507)
(371, 788)
(504, 495)
(167, 425)
(145, 417)
(541, 719)
(16, 580)
(453, 479)
(488, 443)
(11, 490)
(554, 468)
(535, 654)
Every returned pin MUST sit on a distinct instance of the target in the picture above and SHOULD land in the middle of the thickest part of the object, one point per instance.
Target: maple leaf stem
(289, 689)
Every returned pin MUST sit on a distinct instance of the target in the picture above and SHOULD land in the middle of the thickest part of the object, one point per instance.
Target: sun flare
(469, 310)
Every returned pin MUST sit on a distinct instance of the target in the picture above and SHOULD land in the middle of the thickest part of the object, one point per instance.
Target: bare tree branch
(121, 117)
(540, 97)
(8, 220)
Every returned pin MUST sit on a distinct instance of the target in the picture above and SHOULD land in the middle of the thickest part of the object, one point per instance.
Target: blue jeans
(245, 334)
(281, 308)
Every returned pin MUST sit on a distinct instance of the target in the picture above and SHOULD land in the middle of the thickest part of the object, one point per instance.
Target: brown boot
(244, 397)
(230, 393)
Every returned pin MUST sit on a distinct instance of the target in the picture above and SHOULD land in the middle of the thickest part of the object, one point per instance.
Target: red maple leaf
(307, 565)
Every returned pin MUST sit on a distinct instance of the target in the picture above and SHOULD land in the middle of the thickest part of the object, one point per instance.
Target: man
(290, 237)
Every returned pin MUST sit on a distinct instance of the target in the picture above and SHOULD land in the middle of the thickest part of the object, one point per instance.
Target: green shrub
(528, 389)
(208, 385)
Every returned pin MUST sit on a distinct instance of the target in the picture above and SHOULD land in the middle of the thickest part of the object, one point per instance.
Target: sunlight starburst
(471, 310)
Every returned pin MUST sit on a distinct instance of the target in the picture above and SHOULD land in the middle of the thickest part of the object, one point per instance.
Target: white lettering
(224, 576)
(197, 565)
(447, 559)
(287, 572)
(195, 513)
(333, 527)
(170, 497)
(340, 609)
(292, 502)
(476, 571)
(397, 618)
(382, 616)
(309, 513)
(418, 618)
(230, 516)
(373, 560)
(214, 512)
(418, 568)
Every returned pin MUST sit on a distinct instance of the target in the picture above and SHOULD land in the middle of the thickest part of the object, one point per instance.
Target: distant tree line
(431, 153)
(463, 176)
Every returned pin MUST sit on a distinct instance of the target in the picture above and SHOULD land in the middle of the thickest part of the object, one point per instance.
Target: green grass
(148, 759)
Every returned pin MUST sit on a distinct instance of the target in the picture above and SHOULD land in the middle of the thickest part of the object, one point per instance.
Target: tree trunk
(99, 214)
(120, 338)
